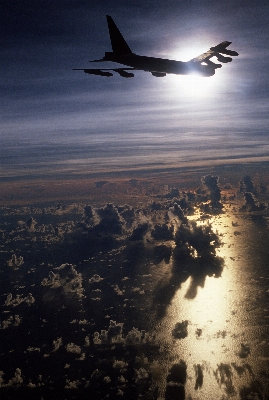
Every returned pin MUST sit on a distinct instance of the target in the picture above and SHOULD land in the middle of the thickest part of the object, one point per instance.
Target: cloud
(224, 377)
(141, 375)
(30, 224)
(139, 232)
(176, 380)
(73, 348)
(251, 203)
(15, 261)
(212, 190)
(180, 330)
(67, 278)
(11, 321)
(114, 334)
(110, 220)
(72, 384)
(176, 211)
(95, 279)
(162, 232)
(244, 350)
(199, 376)
(246, 185)
(29, 300)
(16, 381)
(57, 343)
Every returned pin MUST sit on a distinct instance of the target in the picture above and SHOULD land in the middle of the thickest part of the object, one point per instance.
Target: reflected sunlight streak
(215, 328)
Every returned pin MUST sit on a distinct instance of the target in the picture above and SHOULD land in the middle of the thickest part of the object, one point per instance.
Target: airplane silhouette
(122, 54)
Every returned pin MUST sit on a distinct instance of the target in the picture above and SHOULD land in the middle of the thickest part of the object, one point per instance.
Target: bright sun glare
(194, 86)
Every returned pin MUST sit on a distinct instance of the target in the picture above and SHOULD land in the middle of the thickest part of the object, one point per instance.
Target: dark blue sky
(55, 119)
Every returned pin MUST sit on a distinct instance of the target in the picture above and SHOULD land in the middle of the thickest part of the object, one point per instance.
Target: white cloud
(73, 348)
(15, 261)
(66, 277)
(57, 344)
(29, 299)
(95, 278)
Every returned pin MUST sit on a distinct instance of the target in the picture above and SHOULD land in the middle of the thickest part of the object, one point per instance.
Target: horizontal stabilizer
(221, 48)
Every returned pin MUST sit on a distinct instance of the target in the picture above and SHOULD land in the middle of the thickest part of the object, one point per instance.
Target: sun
(194, 86)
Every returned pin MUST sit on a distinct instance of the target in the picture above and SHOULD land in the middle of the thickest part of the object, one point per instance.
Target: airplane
(159, 67)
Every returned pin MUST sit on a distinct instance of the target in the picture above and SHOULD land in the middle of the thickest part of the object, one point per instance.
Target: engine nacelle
(223, 59)
(123, 73)
(97, 72)
(159, 74)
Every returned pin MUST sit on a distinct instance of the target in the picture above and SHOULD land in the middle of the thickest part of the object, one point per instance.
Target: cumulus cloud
(114, 334)
(73, 348)
(16, 381)
(162, 232)
(246, 185)
(176, 380)
(30, 224)
(211, 186)
(67, 278)
(72, 384)
(29, 300)
(15, 261)
(95, 279)
(251, 203)
(176, 211)
(11, 321)
(199, 376)
(174, 192)
(110, 220)
(141, 375)
(57, 344)
(139, 232)
(224, 377)
(244, 350)
(180, 330)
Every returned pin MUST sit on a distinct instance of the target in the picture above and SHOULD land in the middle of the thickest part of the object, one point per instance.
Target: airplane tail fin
(118, 43)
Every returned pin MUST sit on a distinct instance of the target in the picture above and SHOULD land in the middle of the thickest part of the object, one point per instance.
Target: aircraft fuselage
(160, 66)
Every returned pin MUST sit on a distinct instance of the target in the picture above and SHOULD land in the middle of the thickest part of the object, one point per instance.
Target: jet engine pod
(123, 73)
(223, 59)
(159, 74)
(97, 72)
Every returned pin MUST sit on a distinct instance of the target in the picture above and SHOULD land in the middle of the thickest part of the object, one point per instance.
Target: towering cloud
(110, 220)
(67, 278)
(212, 189)
(15, 261)
(246, 185)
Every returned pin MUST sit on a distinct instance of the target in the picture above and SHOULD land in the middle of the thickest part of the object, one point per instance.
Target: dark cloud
(176, 380)
(194, 255)
(162, 232)
(110, 221)
(199, 376)
(247, 185)
(180, 330)
(139, 232)
(212, 190)
(251, 203)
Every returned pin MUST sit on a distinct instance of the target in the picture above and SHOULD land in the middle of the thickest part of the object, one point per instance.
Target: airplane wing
(107, 71)
(216, 51)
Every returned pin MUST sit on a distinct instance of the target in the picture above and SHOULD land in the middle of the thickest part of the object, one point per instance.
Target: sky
(56, 120)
